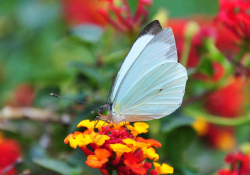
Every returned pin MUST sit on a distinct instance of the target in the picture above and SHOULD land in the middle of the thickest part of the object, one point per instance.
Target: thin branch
(239, 64)
(11, 166)
(32, 113)
(26, 172)
(196, 98)
(219, 120)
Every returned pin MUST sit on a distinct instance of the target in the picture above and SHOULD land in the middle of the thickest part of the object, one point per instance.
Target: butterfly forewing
(146, 35)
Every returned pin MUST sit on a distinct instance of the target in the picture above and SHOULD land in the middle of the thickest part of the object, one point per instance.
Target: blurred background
(74, 48)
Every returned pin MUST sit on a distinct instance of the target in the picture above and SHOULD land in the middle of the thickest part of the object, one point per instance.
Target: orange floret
(139, 127)
(97, 160)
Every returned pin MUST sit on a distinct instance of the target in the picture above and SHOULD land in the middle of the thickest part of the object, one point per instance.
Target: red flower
(9, 153)
(77, 12)
(23, 95)
(228, 101)
(124, 20)
(221, 138)
(224, 40)
(234, 14)
(239, 164)
(226, 172)
(218, 71)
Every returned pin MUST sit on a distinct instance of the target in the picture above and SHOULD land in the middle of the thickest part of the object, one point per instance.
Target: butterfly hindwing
(157, 94)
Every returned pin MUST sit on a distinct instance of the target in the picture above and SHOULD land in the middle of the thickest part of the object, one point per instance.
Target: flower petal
(120, 148)
(164, 169)
(102, 153)
(129, 141)
(153, 143)
(141, 127)
(83, 140)
(86, 123)
(93, 163)
(66, 140)
(151, 154)
(99, 139)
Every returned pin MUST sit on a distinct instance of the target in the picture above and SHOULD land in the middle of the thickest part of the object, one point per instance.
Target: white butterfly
(150, 83)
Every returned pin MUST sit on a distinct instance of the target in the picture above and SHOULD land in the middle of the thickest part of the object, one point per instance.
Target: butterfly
(150, 83)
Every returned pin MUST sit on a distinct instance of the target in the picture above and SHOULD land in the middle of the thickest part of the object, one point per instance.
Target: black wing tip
(152, 28)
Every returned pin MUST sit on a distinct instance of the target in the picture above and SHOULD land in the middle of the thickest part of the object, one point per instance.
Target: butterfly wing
(157, 94)
(146, 35)
(154, 85)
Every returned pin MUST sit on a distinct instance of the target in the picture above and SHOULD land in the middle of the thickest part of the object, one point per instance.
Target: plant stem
(110, 170)
(241, 53)
(219, 120)
(185, 52)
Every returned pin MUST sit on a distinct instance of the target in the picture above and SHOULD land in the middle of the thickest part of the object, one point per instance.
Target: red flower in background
(77, 12)
(234, 15)
(9, 153)
(239, 164)
(24, 95)
(124, 20)
(228, 101)
(221, 138)
(224, 39)
(218, 71)
(117, 14)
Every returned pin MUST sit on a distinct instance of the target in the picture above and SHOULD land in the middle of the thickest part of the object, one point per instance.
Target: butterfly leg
(125, 126)
(97, 119)
(105, 121)
(104, 131)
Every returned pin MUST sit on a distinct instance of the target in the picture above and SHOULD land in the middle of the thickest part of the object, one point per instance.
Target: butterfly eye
(105, 112)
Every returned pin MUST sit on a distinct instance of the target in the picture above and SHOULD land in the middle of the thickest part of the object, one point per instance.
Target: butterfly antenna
(57, 96)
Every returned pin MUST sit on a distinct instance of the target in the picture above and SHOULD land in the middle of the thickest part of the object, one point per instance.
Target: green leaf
(206, 67)
(89, 33)
(86, 114)
(189, 7)
(57, 166)
(174, 122)
(242, 133)
(133, 5)
(178, 141)
(88, 71)
(68, 49)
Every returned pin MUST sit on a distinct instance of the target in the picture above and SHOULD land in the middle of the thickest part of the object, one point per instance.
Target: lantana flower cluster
(239, 164)
(118, 147)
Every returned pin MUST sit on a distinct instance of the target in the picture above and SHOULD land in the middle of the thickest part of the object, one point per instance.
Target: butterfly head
(105, 111)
